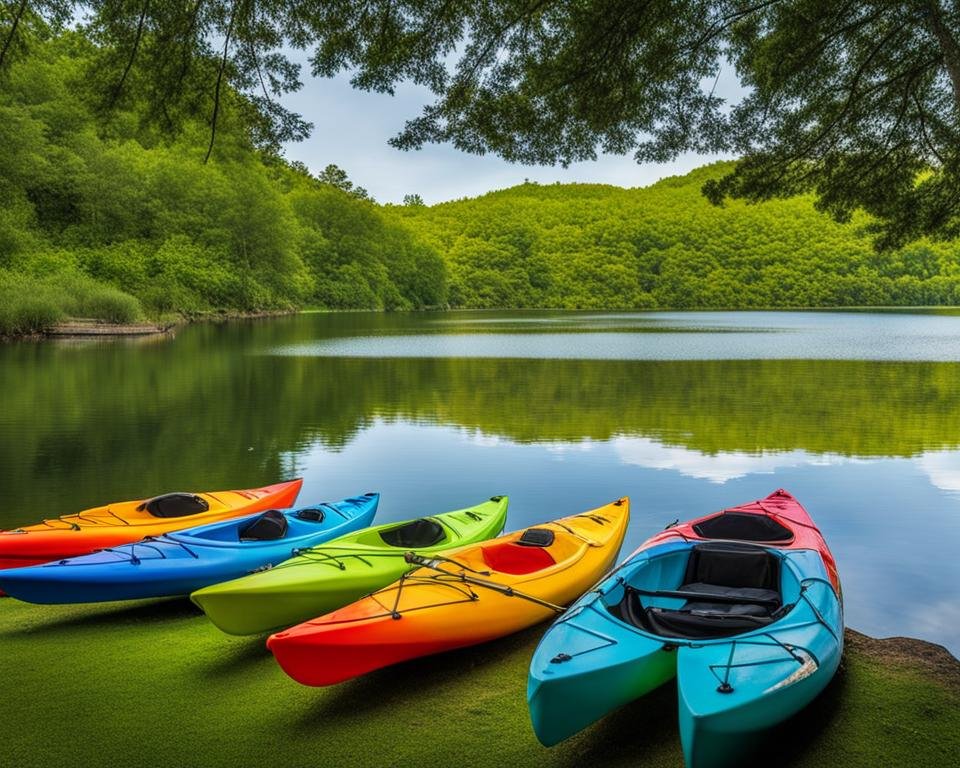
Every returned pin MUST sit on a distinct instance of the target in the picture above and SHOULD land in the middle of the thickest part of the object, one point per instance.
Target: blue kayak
(182, 562)
(751, 632)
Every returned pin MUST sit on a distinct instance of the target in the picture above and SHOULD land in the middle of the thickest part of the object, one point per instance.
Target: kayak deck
(465, 597)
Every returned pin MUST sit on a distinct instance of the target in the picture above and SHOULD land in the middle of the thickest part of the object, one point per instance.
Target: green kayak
(323, 578)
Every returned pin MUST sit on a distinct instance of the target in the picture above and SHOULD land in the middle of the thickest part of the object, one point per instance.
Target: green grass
(155, 683)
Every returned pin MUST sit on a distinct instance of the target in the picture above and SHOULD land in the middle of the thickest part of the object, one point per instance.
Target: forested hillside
(103, 214)
(594, 246)
(109, 218)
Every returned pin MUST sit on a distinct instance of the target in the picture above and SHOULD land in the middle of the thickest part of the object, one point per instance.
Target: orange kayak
(466, 596)
(129, 521)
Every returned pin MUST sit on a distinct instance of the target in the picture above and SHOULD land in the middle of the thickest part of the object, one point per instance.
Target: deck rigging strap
(149, 543)
(575, 534)
(321, 555)
(333, 508)
(495, 586)
(71, 526)
(790, 649)
(414, 559)
(784, 516)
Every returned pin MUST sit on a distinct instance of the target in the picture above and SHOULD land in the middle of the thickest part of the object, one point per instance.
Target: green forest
(582, 246)
(105, 216)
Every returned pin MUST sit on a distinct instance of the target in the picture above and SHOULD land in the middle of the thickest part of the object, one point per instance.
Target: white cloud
(943, 469)
(715, 467)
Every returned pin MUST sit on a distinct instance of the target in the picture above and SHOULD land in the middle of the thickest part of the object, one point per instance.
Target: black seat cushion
(175, 505)
(757, 602)
(686, 624)
(744, 527)
(731, 564)
(415, 534)
(269, 526)
(727, 572)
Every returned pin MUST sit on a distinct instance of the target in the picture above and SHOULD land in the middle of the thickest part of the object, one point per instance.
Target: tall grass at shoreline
(31, 304)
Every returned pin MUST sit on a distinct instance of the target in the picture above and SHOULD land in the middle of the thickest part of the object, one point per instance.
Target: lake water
(857, 414)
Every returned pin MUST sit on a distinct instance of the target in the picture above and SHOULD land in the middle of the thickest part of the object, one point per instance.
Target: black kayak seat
(730, 588)
(269, 526)
(743, 526)
(175, 505)
(732, 564)
(415, 534)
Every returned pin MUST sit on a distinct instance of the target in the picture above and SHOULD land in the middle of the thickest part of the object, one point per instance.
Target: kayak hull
(473, 595)
(334, 574)
(126, 522)
(182, 562)
(767, 685)
(591, 671)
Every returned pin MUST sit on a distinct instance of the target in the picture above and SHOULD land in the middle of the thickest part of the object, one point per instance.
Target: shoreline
(79, 328)
(91, 328)
(932, 660)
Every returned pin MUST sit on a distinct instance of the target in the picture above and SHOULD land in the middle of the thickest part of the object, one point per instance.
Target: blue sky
(351, 129)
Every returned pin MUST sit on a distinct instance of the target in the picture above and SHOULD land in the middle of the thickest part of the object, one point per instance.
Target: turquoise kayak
(751, 630)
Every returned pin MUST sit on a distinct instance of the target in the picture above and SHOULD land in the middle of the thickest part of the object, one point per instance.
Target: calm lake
(858, 414)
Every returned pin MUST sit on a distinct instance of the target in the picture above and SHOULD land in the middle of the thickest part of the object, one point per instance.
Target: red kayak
(778, 520)
(129, 521)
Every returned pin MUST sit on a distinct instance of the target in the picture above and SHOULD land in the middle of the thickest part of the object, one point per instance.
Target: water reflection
(872, 447)
(893, 528)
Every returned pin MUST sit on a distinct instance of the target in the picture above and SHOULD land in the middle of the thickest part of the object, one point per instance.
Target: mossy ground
(155, 683)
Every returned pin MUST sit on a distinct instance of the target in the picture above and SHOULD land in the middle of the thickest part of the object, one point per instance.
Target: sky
(351, 130)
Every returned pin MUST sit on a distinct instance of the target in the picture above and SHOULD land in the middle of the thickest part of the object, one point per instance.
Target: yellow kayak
(466, 596)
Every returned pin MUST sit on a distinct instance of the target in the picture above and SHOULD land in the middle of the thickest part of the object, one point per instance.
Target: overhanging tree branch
(133, 54)
(11, 35)
(220, 71)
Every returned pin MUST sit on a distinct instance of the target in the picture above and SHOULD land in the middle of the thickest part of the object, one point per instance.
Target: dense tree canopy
(856, 100)
(583, 246)
(100, 217)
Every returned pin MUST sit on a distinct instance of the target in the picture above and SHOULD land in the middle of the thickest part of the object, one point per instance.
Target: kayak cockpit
(527, 554)
(743, 526)
(174, 505)
(267, 526)
(416, 534)
(270, 525)
(707, 590)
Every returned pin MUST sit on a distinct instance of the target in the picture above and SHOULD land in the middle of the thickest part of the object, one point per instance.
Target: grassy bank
(153, 682)
(36, 304)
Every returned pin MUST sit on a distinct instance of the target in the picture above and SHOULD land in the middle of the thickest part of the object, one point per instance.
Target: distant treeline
(591, 246)
(107, 217)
